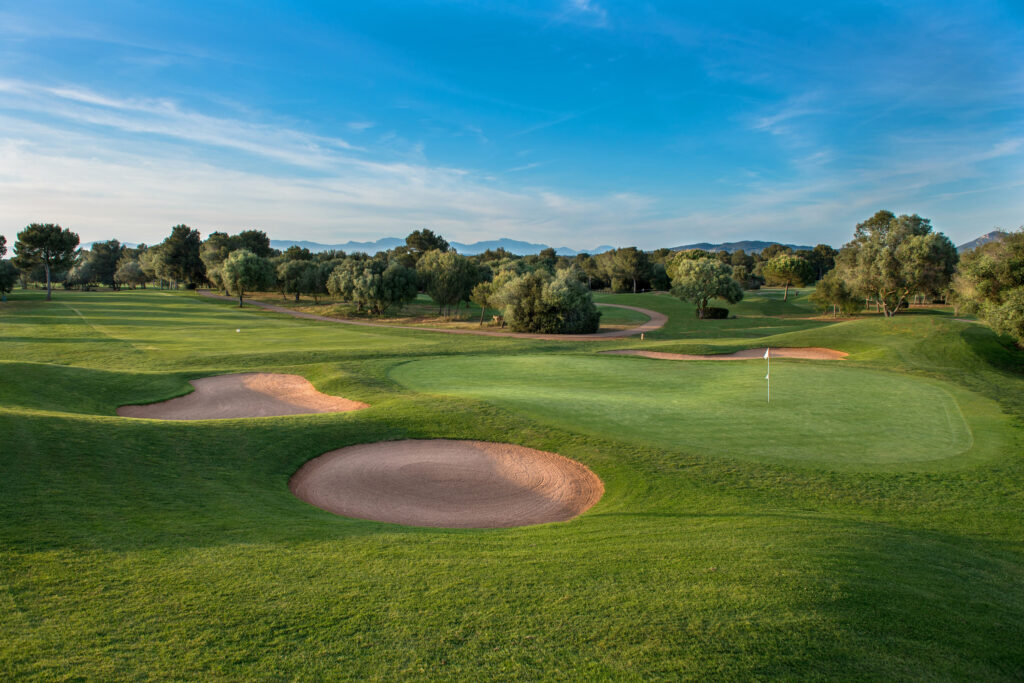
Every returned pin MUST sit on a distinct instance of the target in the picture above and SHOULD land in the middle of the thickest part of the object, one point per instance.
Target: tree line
(890, 261)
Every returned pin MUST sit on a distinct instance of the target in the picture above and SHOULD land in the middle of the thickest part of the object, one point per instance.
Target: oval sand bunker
(250, 394)
(446, 483)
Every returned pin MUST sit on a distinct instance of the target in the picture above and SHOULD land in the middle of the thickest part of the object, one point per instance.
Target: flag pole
(767, 357)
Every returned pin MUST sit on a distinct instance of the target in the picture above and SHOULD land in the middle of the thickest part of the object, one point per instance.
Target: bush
(538, 302)
(715, 313)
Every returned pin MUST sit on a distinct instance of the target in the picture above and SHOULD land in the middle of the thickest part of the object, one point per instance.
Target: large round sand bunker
(445, 483)
(249, 394)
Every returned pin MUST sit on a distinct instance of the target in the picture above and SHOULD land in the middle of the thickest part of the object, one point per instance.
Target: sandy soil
(253, 394)
(656, 321)
(445, 483)
(808, 353)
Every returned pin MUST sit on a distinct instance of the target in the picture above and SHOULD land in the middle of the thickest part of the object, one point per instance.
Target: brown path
(656, 322)
(807, 353)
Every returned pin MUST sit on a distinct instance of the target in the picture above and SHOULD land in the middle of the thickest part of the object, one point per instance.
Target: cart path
(807, 353)
(656, 322)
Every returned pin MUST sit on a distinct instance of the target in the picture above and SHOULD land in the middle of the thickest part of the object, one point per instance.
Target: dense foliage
(536, 301)
(701, 280)
(990, 283)
(891, 258)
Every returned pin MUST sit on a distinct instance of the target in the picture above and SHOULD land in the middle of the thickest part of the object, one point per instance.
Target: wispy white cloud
(76, 167)
(109, 166)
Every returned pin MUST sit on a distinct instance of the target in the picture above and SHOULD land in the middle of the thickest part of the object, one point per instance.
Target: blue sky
(576, 122)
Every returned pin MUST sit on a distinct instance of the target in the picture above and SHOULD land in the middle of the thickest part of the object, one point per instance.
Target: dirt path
(447, 483)
(656, 322)
(807, 353)
(249, 394)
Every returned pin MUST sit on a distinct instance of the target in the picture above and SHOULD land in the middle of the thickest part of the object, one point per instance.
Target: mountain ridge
(517, 247)
(992, 236)
(748, 246)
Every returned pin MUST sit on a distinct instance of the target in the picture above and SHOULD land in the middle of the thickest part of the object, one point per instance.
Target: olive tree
(701, 280)
(129, 272)
(990, 283)
(536, 301)
(245, 271)
(447, 277)
(890, 258)
(832, 292)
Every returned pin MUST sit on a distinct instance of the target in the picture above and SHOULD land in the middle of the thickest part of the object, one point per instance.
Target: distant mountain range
(515, 246)
(984, 239)
(749, 246)
(88, 245)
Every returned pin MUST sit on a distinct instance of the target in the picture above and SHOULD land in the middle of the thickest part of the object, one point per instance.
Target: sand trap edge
(243, 395)
(315, 483)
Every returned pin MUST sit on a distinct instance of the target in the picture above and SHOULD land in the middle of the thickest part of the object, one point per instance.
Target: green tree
(178, 257)
(292, 276)
(103, 258)
(419, 242)
(447, 277)
(536, 301)
(773, 250)
(47, 245)
(891, 258)
(699, 281)
(342, 281)
(255, 241)
(787, 270)
(625, 268)
(381, 286)
(82, 274)
(823, 259)
(245, 271)
(129, 272)
(990, 283)
(521, 301)
(481, 296)
(314, 280)
(832, 292)
(3, 246)
(8, 277)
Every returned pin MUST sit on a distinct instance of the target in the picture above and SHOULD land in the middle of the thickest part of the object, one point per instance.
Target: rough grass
(136, 549)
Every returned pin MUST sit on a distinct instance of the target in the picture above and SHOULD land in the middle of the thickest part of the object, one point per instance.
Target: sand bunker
(444, 483)
(807, 353)
(251, 394)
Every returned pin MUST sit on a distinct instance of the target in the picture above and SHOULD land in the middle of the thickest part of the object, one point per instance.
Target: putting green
(819, 414)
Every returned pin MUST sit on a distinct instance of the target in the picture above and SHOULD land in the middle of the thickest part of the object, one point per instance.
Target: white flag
(766, 354)
(767, 376)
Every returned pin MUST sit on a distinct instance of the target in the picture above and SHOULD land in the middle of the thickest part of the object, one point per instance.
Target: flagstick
(768, 357)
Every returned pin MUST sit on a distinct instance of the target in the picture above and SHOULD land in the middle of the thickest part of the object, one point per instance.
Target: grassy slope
(146, 549)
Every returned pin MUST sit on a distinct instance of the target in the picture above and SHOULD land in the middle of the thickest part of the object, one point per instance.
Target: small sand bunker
(445, 483)
(251, 394)
(807, 353)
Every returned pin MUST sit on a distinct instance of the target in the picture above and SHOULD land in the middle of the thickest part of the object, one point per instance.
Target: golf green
(819, 414)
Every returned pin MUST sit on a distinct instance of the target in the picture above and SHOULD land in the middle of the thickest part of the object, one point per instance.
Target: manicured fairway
(135, 549)
(820, 414)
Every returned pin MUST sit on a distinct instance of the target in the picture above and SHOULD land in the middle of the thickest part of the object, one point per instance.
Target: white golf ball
(238, 330)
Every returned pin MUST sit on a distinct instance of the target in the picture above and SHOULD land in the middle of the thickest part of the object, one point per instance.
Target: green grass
(137, 549)
(822, 414)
